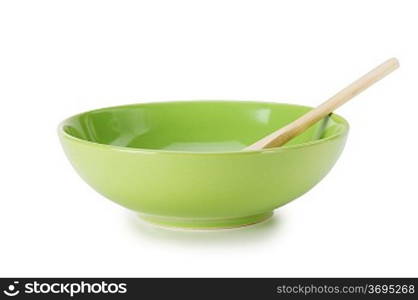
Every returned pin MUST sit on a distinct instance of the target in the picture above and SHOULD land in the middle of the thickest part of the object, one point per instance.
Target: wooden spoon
(286, 133)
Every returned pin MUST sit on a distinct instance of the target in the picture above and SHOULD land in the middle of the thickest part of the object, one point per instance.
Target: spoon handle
(286, 133)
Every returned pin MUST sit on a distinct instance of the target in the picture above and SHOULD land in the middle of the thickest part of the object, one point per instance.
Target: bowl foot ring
(203, 224)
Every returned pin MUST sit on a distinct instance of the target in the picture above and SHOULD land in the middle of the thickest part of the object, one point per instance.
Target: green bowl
(181, 163)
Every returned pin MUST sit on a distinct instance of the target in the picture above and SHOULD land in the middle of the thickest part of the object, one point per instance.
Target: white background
(58, 58)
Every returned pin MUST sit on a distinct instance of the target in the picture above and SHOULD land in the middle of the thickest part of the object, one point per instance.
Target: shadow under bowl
(181, 163)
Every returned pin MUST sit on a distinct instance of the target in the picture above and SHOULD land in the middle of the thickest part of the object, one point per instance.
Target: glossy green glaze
(181, 164)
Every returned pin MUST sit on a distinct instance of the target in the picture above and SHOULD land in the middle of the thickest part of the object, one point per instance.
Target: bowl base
(203, 224)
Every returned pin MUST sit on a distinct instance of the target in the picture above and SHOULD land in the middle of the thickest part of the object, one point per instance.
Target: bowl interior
(198, 126)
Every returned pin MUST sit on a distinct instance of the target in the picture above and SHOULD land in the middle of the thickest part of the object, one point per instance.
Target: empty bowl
(182, 164)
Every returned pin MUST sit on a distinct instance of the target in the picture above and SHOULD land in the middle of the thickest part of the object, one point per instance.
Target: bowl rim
(339, 119)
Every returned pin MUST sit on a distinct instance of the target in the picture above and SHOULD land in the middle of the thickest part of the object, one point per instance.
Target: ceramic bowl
(181, 164)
